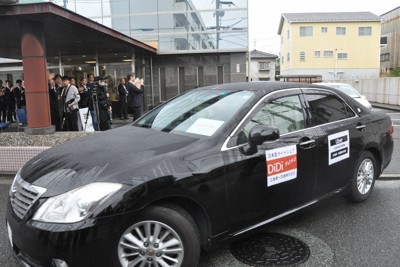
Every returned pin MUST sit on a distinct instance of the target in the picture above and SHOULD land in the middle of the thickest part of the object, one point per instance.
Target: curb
(389, 177)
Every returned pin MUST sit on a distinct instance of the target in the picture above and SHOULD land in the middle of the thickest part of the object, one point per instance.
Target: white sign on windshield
(205, 127)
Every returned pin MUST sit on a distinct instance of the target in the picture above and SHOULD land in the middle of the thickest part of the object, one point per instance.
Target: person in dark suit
(54, 105)
(84, 92)
(3, 103)
(10, 100)
(18, 93)
(135, 90)
(122, 100)
(104, 105)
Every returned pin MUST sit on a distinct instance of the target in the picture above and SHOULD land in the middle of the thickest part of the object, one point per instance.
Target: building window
(288, 34)
(324, 29)
(200, 76)
(383, 40)
(385, 57)
(263, 65)
(306, 31)
(363, 31)
(340, 30)
(288, 57)
(283, 60)
(342, 55)
(328, 53)
(180, 20)
(317, 53)
(220, 74)
(302, 55)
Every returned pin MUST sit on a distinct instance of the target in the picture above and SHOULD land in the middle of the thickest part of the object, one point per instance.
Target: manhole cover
(270, 249)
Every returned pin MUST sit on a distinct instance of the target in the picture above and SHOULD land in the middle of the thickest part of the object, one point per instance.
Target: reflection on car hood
(109, 156)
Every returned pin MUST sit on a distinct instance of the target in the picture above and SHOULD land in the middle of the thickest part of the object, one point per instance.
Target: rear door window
(327, 108)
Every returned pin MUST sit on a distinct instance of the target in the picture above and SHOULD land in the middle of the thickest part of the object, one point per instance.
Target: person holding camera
(135, 90)
(104, 105)
(70, 98)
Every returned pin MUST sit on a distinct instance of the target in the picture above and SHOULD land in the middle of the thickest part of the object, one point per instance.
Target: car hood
(128, 155)
(364, 102)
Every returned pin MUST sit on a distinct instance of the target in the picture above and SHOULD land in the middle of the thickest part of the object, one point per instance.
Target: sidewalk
(16, 147)
(385, 106)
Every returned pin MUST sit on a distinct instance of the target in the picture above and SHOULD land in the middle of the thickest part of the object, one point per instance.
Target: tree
(395, 72)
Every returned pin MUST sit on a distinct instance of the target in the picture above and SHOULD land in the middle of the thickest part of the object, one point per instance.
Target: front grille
(23, 195)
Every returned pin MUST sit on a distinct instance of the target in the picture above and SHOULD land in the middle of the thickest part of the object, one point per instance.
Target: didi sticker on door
(281, 164)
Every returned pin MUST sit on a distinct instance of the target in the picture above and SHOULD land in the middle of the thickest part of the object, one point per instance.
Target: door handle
(307, 144)
(361, 127)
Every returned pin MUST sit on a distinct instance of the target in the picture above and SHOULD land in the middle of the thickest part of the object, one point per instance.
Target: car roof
(266, 87)
(329, 83)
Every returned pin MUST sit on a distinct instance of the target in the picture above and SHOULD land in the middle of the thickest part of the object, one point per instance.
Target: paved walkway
(386, 106)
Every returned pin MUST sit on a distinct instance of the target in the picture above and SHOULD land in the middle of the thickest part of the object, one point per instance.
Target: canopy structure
(34, 32)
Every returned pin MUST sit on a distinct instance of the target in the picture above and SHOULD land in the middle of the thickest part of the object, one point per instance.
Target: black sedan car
(199, 169)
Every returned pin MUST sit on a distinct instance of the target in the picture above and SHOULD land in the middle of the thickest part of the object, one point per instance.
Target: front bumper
(92, 242)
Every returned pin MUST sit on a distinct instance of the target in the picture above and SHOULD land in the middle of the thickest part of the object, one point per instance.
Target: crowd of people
(69, 101)
(11, 98)
(91, 97)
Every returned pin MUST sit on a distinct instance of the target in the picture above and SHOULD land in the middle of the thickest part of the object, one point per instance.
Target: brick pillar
(33, 51)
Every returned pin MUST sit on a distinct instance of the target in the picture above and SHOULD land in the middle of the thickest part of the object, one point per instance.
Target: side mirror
(258, 135)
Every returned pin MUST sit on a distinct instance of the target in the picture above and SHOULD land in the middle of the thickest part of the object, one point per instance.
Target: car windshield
(199, 112)
(347, 89)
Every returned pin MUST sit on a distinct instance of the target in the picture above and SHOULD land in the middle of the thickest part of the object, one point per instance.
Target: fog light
(59, 263)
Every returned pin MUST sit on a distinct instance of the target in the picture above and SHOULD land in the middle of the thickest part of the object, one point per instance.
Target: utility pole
(217, 20)
(218, 15)
(336, 59)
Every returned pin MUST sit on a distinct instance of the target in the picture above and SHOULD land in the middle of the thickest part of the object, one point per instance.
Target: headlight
(76, 204)
(13, 188)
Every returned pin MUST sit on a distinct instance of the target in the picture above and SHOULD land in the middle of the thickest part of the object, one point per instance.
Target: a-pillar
(35, 78)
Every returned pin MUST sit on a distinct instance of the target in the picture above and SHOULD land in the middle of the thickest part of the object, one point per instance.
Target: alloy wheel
(365, 176)
(150, 244)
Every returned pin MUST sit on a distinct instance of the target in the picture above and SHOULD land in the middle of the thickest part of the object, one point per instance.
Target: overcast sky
(264, 16)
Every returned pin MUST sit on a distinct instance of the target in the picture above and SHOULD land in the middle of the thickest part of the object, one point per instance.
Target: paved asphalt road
(337, 232)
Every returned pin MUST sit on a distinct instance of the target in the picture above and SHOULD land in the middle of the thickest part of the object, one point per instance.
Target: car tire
(166, 235)
(364, 177)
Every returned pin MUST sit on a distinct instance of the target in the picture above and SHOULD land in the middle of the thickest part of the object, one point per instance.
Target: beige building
(390, 40)
(262, 66)
(334, 45)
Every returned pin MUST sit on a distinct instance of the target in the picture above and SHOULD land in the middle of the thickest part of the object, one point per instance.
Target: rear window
(327, 108)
